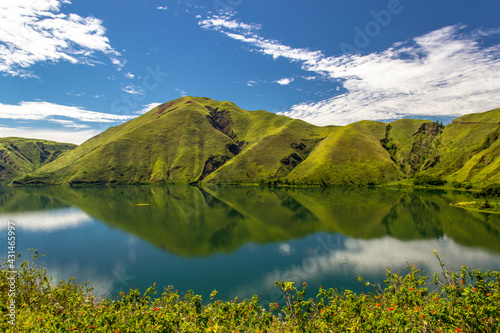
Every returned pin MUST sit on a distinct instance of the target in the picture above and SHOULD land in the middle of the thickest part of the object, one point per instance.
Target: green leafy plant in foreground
(464, 301)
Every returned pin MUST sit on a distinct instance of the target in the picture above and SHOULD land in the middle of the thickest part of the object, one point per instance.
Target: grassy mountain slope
(185, 141)
(172, 142)
(351, 155)
(409, 142)
(468, 149)
(20, 155)
(283, 144)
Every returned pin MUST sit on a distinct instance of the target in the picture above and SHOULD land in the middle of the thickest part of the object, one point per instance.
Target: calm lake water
(239, 240)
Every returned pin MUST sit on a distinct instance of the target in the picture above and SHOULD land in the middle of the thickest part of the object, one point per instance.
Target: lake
(239, 240)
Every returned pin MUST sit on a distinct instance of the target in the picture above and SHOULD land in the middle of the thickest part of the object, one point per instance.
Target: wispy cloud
(447, 72)
(285, 81)
(148, 107)
(53, 113)
(182, 92)
(70, 136)
(162, 8)
(219, 22)
(70, 123)
(37, 31)
(133, 90)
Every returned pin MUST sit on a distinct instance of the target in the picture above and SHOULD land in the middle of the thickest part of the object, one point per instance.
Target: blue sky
(71, 69)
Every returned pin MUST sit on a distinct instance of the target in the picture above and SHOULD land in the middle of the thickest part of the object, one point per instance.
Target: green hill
(188, 140)
(467, 150)
(19, 155)
(200, 140)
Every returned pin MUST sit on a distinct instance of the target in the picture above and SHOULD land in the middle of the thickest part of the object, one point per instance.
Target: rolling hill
(197, 140)
(19, 155)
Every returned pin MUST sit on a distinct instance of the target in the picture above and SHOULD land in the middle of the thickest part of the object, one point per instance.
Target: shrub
(461, 301)
(422, 179)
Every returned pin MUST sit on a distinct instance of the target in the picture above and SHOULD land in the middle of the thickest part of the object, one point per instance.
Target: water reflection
(239, 240)
(193, 221)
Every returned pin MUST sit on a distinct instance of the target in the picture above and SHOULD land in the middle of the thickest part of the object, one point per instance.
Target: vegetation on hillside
(464, 301)
(19, 156)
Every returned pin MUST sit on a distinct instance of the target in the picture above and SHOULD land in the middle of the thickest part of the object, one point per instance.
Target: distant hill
(200, 140)
(19, 156)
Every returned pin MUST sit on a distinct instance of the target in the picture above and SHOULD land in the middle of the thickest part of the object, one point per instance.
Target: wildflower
(475, 289)
(91, 326)
(488, 294)
(40, 319)
(304, 283)
(379, 304)
(458, 330)
(390, 309)
(73, 328)
(432, 311)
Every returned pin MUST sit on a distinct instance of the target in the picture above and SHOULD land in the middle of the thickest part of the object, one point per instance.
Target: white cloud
(285, 81)
(118, 63)
(219, 22)
(182, 92)
(129, 75)
(47, 111)
(251, 83)
(37, 31)
(133, 90)
(447, 72)
(76, 137)
(162, 8)
(147, 108)
(69, 123)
